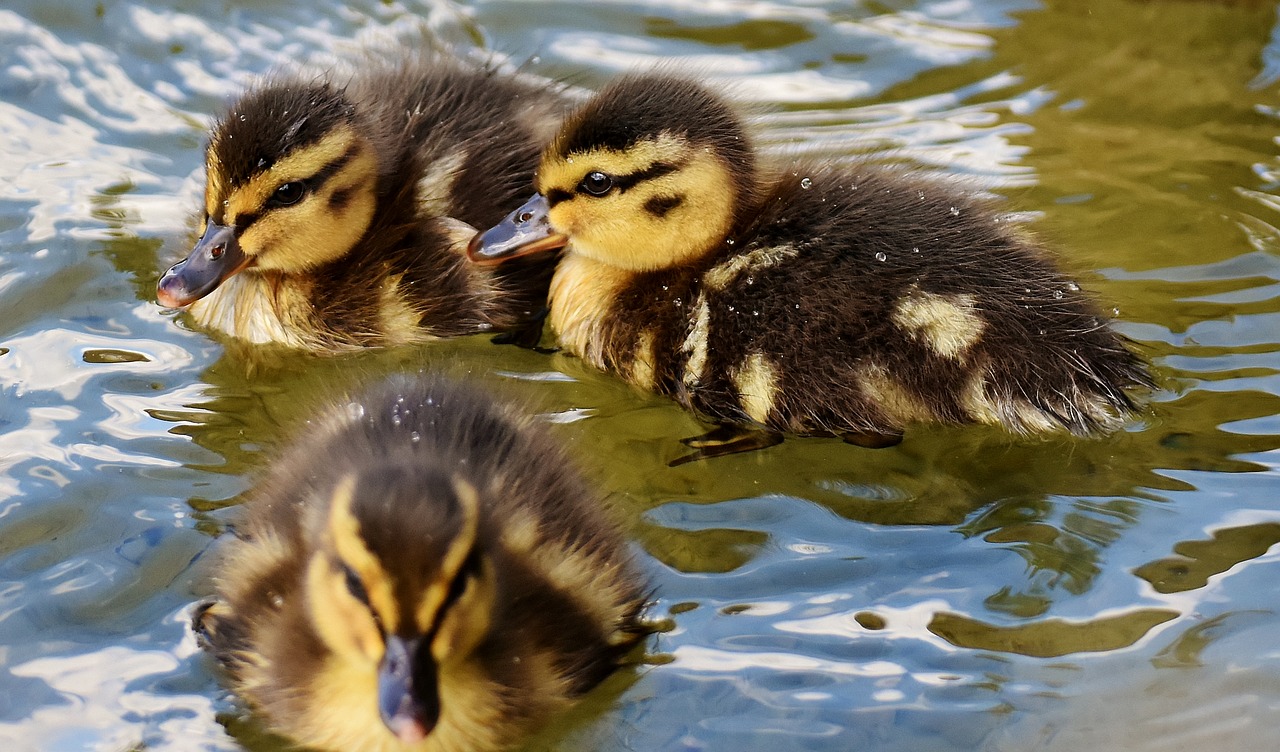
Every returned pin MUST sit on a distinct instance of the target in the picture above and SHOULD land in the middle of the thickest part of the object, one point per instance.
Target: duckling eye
(354, 585)
(596, 184)
(289, 194)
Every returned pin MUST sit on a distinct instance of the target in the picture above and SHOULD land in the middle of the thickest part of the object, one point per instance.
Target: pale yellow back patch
(695, 343)
(757, 384)
(722, 275)
(949, 324)
(435, 187)
(894, 399)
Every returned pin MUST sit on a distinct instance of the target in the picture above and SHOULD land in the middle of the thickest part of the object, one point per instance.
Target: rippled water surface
(964, 590)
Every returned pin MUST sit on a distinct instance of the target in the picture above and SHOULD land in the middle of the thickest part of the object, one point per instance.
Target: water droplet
(1057, 294)
(243, 118)
(277, 601)
(664, 288)
(415, 437)
(915, 249)
(226, 202)
(568, 160)
(731, 308)
(755, 313)
(1042, 332)
(955, 212)
(728, 241)
(751, 280)
(920, 195)
(1115, 311)
(1073, 287)
(881, 256)
(806, 183)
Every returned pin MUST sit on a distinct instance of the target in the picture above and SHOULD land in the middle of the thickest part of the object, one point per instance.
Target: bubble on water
(806, 183)
(881, 256)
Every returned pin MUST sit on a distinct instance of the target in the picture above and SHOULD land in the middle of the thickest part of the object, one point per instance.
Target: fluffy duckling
(816, 300)
(423, 572)
(336, 212)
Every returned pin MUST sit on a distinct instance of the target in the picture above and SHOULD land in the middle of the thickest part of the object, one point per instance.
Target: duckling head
(399, 591)
(291, 181)
(652, 172)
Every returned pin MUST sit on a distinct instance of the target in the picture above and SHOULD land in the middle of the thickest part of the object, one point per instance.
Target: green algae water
(964, 590)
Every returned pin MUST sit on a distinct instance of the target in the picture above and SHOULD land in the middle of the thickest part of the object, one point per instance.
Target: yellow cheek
(344, 624)
(466, 622)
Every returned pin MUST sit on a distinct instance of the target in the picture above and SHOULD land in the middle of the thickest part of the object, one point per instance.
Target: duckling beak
(217, 255)
(525, 230)
(408, 697)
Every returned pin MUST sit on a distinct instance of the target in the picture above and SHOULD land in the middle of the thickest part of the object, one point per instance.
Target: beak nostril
(525, 216)
(217, 251)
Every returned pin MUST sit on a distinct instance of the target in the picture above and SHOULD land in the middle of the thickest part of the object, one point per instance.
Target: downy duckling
(424, 571)
(336, 212)
(816, 300)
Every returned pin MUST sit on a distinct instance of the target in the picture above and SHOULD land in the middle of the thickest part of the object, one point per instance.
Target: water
(961, 591)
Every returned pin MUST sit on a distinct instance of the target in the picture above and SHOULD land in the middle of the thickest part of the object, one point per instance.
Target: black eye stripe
(621, 183)
(354, 585)
(556, 195)
(324, 173)
(317, 179)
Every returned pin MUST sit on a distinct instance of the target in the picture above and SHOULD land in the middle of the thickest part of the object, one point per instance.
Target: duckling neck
(581, 296)
(258, 308)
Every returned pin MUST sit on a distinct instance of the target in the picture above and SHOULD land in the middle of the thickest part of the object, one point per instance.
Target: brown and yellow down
(423, 571)
(802, 297)
(336, 209)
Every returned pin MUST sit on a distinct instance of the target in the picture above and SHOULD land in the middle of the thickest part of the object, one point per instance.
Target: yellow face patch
(339, 175)
(348, 626)
(672, 201)
(459, 549)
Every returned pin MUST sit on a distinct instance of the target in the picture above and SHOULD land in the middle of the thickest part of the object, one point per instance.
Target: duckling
(336, 211)
(811, 299)
(423, 571)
